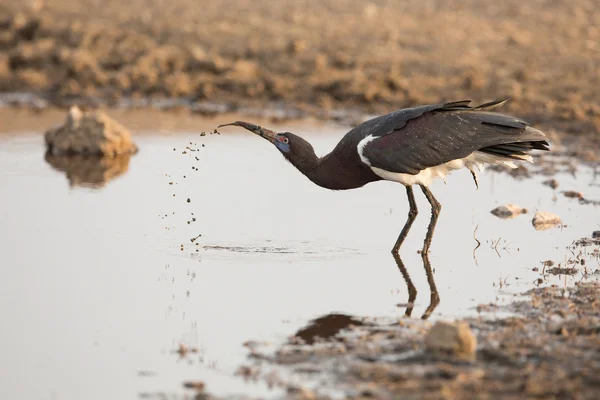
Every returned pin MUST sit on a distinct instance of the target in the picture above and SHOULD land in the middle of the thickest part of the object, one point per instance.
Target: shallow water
(98, 292)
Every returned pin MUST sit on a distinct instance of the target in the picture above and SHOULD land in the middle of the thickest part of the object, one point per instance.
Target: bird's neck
(336, 170)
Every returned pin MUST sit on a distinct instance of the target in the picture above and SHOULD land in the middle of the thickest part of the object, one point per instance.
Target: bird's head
(283, 141)
(295, 149)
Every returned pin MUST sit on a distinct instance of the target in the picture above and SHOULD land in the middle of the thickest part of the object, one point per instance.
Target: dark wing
(438, 134)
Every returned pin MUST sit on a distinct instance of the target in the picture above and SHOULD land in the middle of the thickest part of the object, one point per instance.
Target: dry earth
(315, 57)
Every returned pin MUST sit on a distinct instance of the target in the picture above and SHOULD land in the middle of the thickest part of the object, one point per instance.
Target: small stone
(572, 194)
(454, 339)
(545, 220)
(198, 386)
(594, 241)
(92, 133)
(508, 211)
(553, 183)
(301, 393)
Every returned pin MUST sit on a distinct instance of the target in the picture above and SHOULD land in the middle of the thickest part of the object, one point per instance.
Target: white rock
(545, 220)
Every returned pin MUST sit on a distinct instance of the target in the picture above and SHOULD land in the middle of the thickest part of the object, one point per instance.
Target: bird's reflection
(412, 291)
(87, 170)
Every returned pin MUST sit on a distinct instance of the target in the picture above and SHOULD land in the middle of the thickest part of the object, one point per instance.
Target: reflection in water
(88, 170)
(326, 327)
(412, 291)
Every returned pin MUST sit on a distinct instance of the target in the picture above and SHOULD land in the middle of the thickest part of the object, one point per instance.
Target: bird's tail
(519, 150)
(463, 105)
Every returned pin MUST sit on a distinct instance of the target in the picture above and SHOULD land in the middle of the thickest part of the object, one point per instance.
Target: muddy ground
(547, 349)
(310, 57)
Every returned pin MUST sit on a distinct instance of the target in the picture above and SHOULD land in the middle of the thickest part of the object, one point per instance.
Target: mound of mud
(313, 55)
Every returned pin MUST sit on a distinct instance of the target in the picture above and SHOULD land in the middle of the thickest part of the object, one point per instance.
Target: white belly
(473, 162)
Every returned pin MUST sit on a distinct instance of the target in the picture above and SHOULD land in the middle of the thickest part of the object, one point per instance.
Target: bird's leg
(436, 207)
(412, 291)
(412, 214)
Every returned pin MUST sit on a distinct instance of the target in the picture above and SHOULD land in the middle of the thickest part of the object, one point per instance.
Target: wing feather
(427, 136)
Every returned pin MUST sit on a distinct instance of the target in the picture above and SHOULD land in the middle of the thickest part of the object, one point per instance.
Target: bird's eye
(285, 140)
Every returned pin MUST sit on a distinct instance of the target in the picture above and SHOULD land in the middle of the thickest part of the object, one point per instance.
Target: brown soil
(315, 57)
(549, 349)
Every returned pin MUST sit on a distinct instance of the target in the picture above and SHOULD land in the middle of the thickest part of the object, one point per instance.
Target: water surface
(98, 291)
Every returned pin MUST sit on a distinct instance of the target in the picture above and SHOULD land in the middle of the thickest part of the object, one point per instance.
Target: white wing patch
(361, 148)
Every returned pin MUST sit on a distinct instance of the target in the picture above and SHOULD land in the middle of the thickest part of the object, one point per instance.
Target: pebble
(553, 183)
(545, 220)
(198, 386)
(572, 194)
(451, 338)
(508, 211)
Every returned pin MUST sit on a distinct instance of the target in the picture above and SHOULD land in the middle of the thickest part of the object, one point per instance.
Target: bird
(414, 146)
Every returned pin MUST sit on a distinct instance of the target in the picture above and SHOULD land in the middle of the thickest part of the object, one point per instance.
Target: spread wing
(411, 140)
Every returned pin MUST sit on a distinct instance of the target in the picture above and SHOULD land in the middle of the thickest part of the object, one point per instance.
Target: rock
(300, 393)
(596, 234)
(508, 211)
(91, 133)
(454, 339)
(553, 183)
(593, 241)
(572, 194)
(545, 220)
(198, 386)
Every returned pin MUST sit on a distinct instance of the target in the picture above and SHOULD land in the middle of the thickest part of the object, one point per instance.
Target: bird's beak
(259, 130)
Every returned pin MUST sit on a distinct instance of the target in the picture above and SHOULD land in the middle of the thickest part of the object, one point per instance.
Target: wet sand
(548, 348)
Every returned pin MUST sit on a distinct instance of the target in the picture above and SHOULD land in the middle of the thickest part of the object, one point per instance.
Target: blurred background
(308, 57)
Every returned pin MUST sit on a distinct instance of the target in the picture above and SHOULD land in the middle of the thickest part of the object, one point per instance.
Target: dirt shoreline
(547, 349)
(295, 60)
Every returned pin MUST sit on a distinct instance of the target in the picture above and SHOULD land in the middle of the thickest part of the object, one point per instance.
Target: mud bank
(547, 348)
(225, 56)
